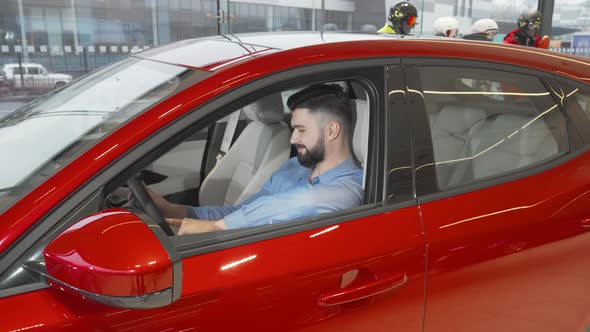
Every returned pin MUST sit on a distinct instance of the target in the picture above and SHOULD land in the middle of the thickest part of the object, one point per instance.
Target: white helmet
(485, 26)
(446, 27)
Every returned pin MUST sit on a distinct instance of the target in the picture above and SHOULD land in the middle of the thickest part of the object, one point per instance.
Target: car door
(19, 76)
(504, 201)
(360, 269)
(287, 277)
(33, 79)
(45, 81)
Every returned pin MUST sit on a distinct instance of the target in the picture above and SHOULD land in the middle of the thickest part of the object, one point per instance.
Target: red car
(476, 191)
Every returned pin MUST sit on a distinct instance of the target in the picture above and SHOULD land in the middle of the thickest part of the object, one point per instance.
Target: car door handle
(381, 284)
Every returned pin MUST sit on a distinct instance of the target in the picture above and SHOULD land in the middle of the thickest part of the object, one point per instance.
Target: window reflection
(488, 123)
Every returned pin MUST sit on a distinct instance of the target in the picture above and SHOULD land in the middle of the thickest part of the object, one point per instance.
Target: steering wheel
(141, 194)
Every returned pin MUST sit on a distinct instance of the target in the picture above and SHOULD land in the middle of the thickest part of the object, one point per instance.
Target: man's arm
(219, 212)
(193, 226)
(300, 202)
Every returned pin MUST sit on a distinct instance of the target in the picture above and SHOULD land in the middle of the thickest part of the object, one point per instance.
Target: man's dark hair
(325, 99)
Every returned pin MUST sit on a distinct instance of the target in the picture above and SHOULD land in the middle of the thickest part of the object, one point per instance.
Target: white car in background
(34, 77)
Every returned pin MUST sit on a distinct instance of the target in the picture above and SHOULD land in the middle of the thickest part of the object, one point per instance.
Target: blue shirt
(288, 195)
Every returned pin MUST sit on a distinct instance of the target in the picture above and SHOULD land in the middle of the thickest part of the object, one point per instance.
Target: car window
(487, 123)
(34, 71)
(76, 117)
(19, 70)
(243, 169)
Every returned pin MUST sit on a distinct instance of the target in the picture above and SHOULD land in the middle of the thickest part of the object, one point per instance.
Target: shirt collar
(329, 175)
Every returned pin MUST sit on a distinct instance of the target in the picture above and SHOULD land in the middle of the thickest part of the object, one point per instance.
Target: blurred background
(46, 43)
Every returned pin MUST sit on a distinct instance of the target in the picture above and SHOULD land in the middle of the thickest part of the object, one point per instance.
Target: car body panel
(281, 279)
(284, 278)
(514, 254)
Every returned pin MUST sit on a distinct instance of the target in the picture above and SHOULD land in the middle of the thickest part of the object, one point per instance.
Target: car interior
(229, 160)
(492, 131)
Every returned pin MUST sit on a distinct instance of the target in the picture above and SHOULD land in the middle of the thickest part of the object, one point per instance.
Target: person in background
(401, 19)
(446, 27)
(529, 24)
(485, 29)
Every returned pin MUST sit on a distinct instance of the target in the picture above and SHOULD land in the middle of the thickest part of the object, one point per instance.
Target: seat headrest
(268, 109)
(360, 136)
(455, 119)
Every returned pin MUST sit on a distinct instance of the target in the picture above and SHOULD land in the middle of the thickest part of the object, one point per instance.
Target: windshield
(39, 139)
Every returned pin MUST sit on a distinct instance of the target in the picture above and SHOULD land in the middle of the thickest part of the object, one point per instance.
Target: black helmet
(529, 22)
(402, 17)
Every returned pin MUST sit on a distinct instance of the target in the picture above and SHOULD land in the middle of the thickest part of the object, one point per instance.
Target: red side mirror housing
(115, 258)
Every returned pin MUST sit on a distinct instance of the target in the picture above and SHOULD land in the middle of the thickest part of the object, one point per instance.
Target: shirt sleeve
(210, 212)
(218, 212)
(269, 209)
(300, 202)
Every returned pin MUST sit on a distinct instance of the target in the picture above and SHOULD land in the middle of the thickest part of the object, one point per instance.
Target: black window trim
(400, 183)
(560, 81)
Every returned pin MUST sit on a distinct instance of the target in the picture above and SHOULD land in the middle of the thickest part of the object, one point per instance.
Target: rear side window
(487, 123)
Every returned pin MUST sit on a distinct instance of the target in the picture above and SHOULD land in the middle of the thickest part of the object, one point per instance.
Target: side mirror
(114, 258)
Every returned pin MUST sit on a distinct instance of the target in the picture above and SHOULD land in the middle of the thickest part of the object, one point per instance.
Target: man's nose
(294, 137)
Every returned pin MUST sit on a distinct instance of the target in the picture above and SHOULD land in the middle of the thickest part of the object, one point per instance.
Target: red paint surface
(513, 255)
(111, 253)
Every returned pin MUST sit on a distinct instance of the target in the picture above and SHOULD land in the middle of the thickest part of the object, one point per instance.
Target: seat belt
(228, 134)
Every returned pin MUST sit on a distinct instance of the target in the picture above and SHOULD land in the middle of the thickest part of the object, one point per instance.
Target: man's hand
(193, 226)
(168, 209)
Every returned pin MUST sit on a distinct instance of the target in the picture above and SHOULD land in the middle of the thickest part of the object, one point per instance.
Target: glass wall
(77, 36)
(570, 31)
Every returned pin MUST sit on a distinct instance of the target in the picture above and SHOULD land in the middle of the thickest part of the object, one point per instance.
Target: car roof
(209, 53)
(217, 53)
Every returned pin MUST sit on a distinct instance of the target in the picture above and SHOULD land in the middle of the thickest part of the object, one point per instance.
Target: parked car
(34, 77)
(476, 211)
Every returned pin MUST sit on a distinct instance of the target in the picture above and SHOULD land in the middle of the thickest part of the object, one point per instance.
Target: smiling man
(322, 178)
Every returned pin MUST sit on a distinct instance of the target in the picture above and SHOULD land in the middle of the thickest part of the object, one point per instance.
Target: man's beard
(312, 156)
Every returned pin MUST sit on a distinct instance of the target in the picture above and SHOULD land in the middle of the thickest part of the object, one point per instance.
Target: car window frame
(559, 85)
(425, 149)
(91, 193)
(197, 244)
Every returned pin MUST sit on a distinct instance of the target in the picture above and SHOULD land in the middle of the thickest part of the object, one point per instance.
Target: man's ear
(334, 130)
